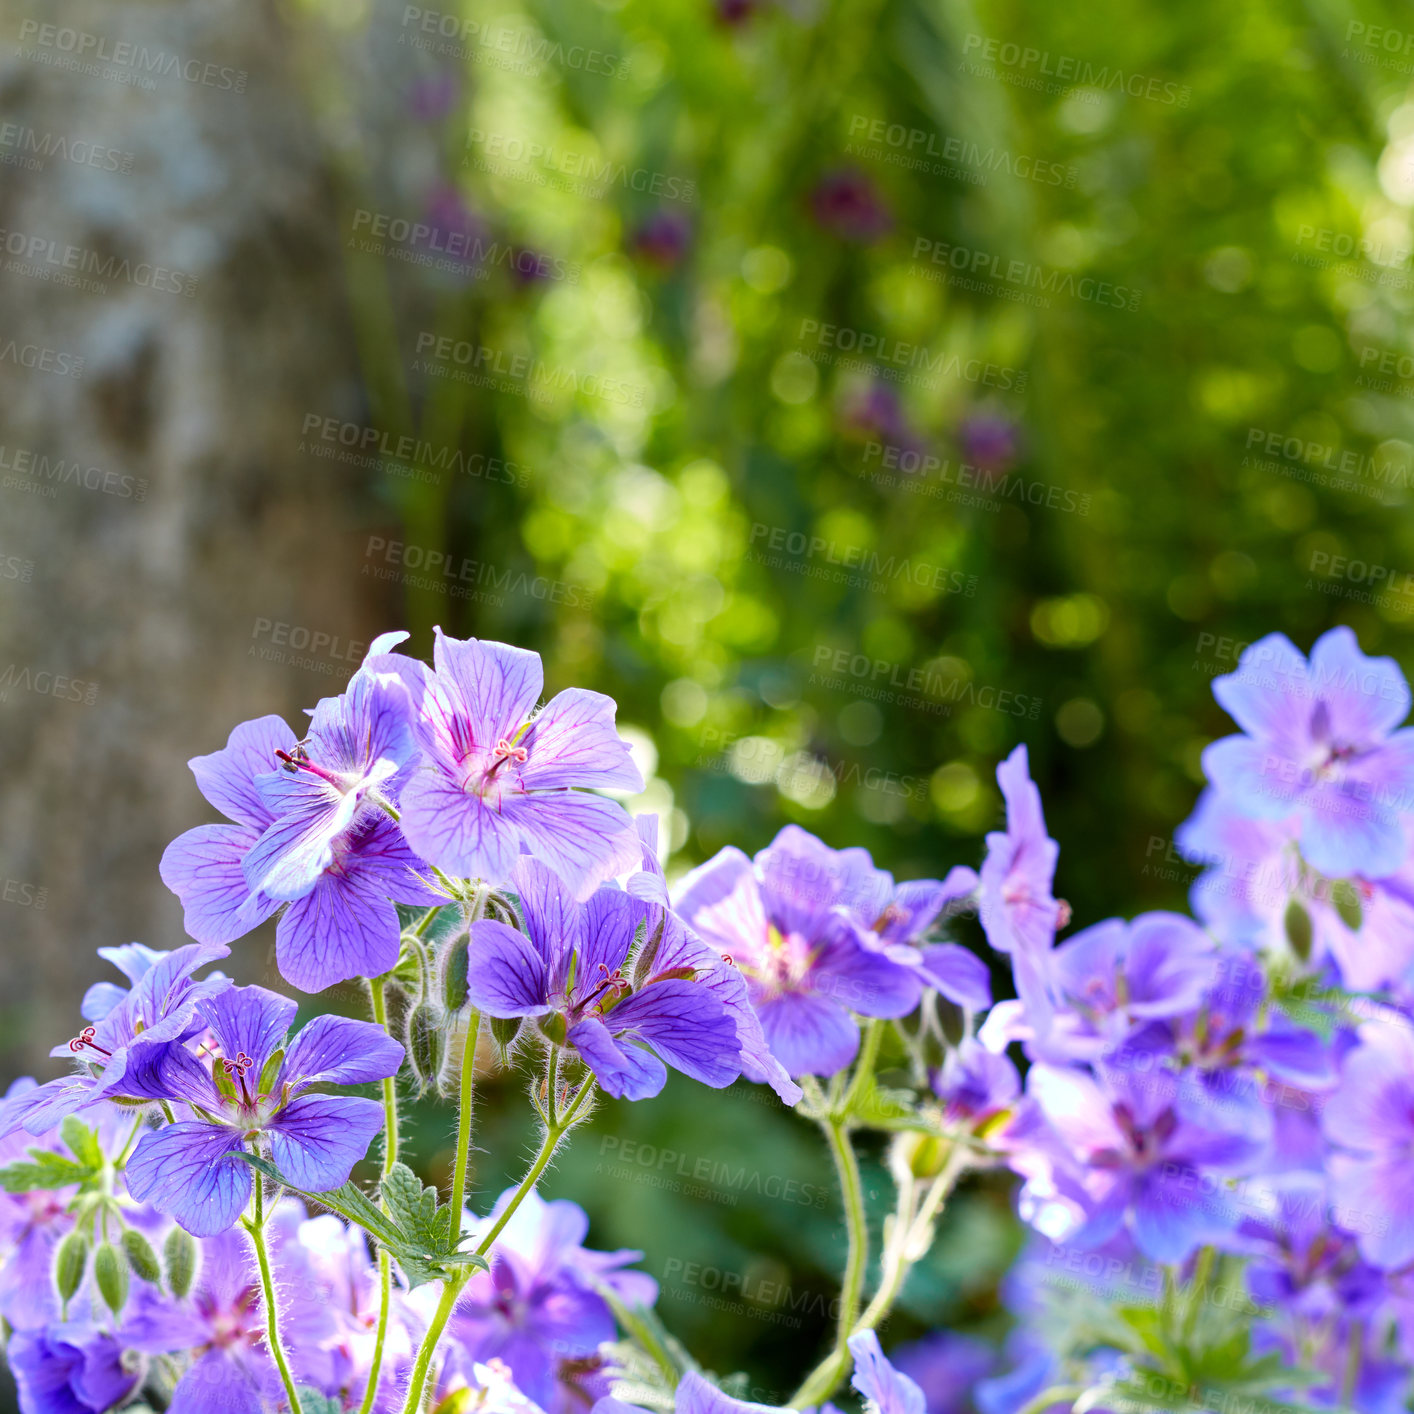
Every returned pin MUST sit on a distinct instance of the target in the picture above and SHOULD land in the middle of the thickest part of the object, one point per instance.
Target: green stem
(256, 1228)
(1057, 1394)
(465, 1097)
(909, 1241)
(821, 1381)
(1202, 1271)
(122, 1158)
(390, 1156)
(864, 1067)
(452, 1287)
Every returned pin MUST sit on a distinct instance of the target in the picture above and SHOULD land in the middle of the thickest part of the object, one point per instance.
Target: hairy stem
(256, 1228)
(452, 1287)
(465, 1099)
(908, 1240)
(390, 1157)
(821, 1381)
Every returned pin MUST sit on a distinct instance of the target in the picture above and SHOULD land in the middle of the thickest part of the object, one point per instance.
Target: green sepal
(266, 1084)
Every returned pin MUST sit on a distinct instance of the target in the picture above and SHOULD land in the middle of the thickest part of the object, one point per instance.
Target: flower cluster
(1210, 1121)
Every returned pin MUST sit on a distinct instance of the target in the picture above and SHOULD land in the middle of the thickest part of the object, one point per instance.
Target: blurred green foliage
(1242, 174)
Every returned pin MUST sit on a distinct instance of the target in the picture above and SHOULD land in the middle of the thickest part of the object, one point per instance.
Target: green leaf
(423, 1248)
(312, 1402)
(82, 1141)
(349, 1201)
(414, 1208)
(47, 1171)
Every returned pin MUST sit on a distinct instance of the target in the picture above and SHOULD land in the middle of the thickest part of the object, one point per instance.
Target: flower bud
(180, 1253)
(141, 1258)
(504, 1030)
(921, 1155)
(454, 969)
(1298, 929)
(553, 1028)
(70, 1261)
(426, 1043)
(110, 1275)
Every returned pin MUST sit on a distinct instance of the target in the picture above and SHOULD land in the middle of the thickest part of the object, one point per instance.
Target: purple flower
(900, 916)
(134, 961)
(498, 782)
(663, 238)
(1019, 914)
(1320, 741)
(1301, 1264)
(162, 1007)
(221, 1326)
(31, 1226)
(988, 440)
(786, 921)
(192, 1170)
(1370, 1115)
(357, 744)
(885, 1389)
(430, 99)
(946, 1366)
(69, 1368)
(573, 963)
(335, 1324)
(1254, 874)
(847, 204)
(312, 839)
(1114, 975)
(697, 1396)
(538, 1309)
(976, 1085)
(1135, 1161)
(681, 948)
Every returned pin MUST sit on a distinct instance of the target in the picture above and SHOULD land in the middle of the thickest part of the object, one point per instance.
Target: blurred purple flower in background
(846, 203)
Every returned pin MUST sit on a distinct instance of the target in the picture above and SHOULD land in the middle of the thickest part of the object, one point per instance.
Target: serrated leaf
(82, 1141)
(350, 1201)
(423, 1255)
(412, 1207)
(312, 1402)
(47, 1170)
